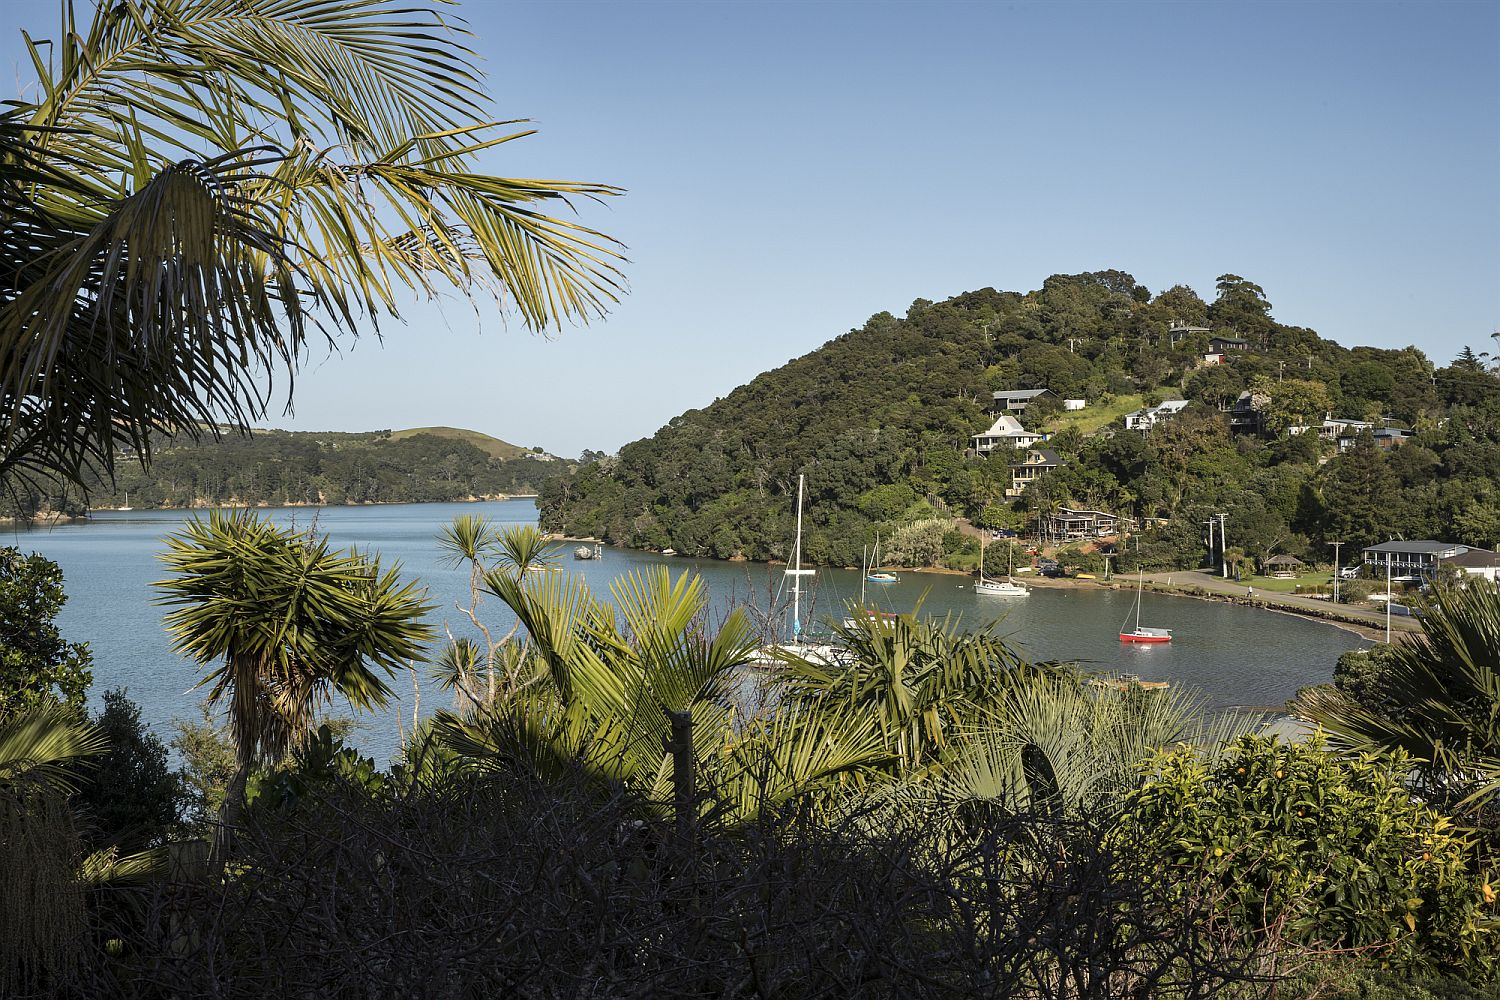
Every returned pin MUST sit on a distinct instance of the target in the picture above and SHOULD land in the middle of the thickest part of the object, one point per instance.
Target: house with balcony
(1144, 420)
(1005, 434)
(1331, 429)
(1034, 465)
(1408, 562)
(1070, 524)
(1016, 400)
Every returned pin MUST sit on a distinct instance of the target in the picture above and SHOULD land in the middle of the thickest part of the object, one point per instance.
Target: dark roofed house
(1178, 331)
(1409, 561)
(1017, 400)
(1218, 344)
(1037, 463)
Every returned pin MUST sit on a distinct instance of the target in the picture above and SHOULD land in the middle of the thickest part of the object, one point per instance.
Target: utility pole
(1336, 571)
(1210, 544)
(1223, 547)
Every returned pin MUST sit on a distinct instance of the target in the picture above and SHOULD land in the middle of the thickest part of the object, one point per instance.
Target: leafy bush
(1327, 849)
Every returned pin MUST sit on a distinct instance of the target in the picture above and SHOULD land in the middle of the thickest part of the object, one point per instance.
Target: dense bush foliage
(37, 666)
(1326, 850)
(880, 419)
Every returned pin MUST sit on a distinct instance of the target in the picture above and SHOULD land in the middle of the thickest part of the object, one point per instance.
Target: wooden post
(684, 794)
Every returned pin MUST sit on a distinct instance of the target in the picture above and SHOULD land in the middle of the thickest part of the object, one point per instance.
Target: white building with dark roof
(1144, 420)
(1005, 434)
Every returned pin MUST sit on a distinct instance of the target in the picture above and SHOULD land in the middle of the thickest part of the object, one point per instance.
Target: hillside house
(1209, 360)
(1016, 400)
(1244, 416)
(1073, 405)
(1067, 523)
(1178, 331)
(1144, 420)
(1220, 344)
(1391, 437)
(1005, 434)
(1036, 464)
(1331, 429)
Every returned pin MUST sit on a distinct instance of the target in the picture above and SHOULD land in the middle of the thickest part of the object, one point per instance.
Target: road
(1271, 599)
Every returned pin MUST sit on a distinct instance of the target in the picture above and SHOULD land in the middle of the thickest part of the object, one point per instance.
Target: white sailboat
(797, 646)
(1139, 634)
(999, 588)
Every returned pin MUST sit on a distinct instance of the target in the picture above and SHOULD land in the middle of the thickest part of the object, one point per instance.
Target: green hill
(272, 467)
(492, 446)
(880, 420)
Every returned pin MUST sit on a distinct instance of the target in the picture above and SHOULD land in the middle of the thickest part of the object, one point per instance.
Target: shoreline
(1400, 626)
(239, 505)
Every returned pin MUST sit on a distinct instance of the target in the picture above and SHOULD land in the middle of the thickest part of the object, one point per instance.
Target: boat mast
(797, 572)
(1140, 588)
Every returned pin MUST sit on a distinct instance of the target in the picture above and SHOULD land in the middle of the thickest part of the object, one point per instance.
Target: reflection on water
(1233, 655)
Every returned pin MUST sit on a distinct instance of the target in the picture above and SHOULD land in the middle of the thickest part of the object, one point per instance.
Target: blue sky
(794, 168)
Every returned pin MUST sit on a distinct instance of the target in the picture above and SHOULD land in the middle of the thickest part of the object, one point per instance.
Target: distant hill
(276, 467)
(881, 419)
(491, 446)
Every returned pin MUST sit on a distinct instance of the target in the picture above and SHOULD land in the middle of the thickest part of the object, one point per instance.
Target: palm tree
(604, 682)
(1444, 691)
(196, 187)
(41, 907)
(479, 673)
(921, 680)
(285, 622)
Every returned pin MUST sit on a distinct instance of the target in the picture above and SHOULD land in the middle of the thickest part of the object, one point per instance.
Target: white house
(1006, 433)
(1144, 420)
(1331, 429)
(1477, 562)
(1074, 404)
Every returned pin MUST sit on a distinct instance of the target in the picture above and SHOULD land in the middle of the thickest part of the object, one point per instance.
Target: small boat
(1125, 682)
(1139, 633)
(586, 552)
(998, 588)
(669, 552)
(873, 575)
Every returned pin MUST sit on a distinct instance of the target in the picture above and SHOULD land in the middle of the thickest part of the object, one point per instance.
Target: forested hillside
(880, 420)
(290, 467)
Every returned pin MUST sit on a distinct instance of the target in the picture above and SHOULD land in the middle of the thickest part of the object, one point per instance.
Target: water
(1232, 655)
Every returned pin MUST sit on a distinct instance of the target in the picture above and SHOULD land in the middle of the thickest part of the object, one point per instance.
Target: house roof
(1020, 393)
(1221, 338)
(1423, 546)
(1004, 425)
(1475, 558)
(1184, 328)
(1283, 560)
(1049, 457)
(1070, 512)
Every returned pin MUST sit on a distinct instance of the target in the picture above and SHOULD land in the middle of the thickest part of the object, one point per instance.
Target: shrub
(1330, 850)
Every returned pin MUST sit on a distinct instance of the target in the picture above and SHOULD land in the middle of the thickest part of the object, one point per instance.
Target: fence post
(684, 795)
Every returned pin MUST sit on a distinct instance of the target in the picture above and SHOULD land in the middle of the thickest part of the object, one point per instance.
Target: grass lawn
(1307, 581)
(1092, 417)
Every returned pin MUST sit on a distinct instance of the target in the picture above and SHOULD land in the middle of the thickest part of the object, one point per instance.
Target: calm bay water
(1232, 655)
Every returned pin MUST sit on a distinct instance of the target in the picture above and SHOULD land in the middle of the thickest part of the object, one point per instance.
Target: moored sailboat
(998, 588)
(1140, 633)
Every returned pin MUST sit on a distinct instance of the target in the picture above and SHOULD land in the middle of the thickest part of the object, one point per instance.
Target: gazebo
(1283, 566)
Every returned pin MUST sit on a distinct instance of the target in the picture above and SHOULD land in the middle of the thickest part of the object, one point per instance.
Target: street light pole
(1387, 598)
